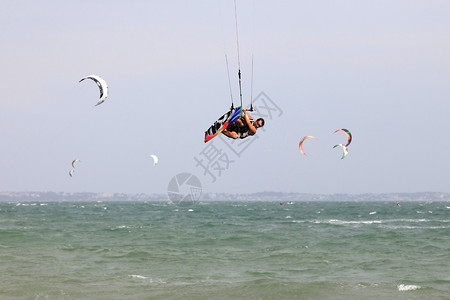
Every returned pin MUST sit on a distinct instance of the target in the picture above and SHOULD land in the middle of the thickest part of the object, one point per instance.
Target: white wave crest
(138, 276)
(407, 287)
(148, 279)
(342, 222)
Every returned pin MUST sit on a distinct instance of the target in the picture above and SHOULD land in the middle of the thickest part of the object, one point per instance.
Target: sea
(225, 250)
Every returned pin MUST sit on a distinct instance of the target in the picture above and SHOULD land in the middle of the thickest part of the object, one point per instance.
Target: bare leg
(230, 134)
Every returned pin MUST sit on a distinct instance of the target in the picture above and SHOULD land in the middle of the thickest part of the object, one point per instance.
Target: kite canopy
(74, 161)
(223, 122)
(300, 145)
(349, 135)
(101, 83)
(155, 159)
(344, 150)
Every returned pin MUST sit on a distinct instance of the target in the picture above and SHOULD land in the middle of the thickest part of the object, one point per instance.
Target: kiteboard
(223, 122)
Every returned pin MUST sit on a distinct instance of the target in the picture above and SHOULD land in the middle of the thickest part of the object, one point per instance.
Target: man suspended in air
(243, 127)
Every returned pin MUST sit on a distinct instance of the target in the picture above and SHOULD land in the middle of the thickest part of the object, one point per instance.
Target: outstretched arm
(251, 128)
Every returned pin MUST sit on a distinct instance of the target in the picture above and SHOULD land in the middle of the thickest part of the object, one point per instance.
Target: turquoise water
(225, 250)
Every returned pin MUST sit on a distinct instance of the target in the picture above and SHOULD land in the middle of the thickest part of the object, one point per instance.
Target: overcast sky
(378, 68)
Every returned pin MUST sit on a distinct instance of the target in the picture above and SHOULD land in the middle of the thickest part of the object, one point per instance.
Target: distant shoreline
(261, 196)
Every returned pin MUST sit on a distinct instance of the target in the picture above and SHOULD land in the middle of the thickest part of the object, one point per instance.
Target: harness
(242, 132)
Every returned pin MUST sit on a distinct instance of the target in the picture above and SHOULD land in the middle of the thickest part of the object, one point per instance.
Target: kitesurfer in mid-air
(243, 127)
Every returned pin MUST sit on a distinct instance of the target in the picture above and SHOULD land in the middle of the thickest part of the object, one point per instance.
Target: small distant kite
(101, 85)
(71, 173)
(155, 159)
(300, 145)
(344, 150)
(349, 135)
(74, 161)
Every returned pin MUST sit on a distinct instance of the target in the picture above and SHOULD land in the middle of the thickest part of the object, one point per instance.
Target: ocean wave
(339, 222)
(343, 222)
(138, 276)
(359, 222)
(408, 220)
(413, 221)
(414, 227)
(407, 287)
(147, 279)
(422, 212)
(120, 227)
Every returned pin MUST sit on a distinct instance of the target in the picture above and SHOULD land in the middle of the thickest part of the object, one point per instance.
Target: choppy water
(223, 250)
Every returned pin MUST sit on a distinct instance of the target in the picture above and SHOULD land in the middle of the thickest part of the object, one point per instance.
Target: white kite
(71, 173)
(101, 85)
(155, 159)
(344, 149)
